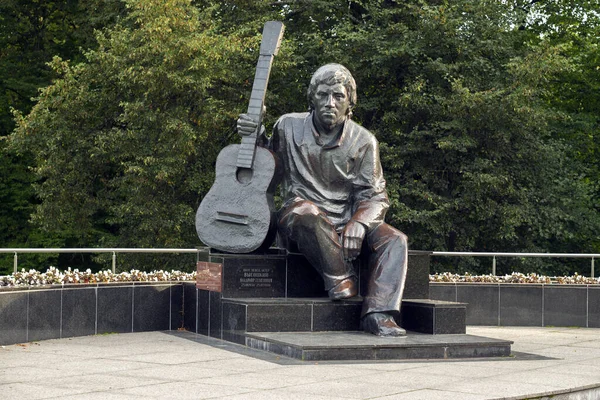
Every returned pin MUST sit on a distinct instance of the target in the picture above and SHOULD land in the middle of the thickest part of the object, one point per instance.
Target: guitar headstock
(271, 39)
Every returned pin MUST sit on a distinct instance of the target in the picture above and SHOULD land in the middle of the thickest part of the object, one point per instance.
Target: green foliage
(573, 28)
(486, 113)
(125, 141)
(458, 96)
(31, 33)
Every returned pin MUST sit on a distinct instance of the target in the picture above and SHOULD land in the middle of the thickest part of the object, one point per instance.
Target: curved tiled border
(37, 313)
(505, 304)
(52, 312)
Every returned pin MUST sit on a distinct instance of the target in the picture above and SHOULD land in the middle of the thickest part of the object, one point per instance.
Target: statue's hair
(330, 74)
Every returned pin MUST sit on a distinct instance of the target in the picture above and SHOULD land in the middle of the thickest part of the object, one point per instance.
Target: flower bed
(54, 276)
(515, 277)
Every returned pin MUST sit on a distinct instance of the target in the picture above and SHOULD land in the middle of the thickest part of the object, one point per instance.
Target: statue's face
(331, 104)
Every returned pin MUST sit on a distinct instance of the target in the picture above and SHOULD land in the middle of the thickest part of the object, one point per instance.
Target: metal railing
(114, 252)
(520, 255)
(199, 250)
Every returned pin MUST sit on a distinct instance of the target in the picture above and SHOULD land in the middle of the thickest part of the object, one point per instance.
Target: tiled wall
(524, 304)
(79, 310)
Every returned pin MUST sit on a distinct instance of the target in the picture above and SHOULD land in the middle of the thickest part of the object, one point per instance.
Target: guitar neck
(269, 46)
(255, 108)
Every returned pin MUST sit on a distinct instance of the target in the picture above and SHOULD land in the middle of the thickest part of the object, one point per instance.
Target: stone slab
(248, 275)
(78, 312)
(151, 307)
(521, 305)
(565, 305)
(43, 314)
(115, 309)
(13, 317)
(483, 300)
(322, 314)
(279, 273)
(417, 275)
(433, 316)
(316, 346)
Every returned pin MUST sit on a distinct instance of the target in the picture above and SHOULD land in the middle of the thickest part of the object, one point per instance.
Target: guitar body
(237, 214)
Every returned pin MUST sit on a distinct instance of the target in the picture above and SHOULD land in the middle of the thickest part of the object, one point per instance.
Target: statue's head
(332, 74)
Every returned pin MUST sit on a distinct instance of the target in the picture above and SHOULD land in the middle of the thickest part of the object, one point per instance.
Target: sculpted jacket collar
(309, 125)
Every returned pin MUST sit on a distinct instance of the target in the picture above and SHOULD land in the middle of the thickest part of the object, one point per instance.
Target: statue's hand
(352, 239)
(246, 125)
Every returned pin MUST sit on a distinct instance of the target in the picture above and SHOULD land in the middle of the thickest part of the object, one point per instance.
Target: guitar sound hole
(244, 175)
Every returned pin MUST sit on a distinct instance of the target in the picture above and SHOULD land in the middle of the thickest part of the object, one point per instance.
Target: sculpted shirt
(341, 175)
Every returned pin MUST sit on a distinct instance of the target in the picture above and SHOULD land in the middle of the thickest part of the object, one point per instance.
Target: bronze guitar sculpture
(237, 214)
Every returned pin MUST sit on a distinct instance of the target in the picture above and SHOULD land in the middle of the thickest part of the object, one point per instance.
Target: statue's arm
(370, 201)
(370, 197)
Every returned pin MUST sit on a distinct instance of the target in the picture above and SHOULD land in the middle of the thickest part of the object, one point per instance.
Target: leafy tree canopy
(462, 95)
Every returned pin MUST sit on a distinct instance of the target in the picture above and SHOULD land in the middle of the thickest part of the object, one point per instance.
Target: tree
(457, 94)
(573, 28)
(31, 33)
(462, 96)
(125, 141)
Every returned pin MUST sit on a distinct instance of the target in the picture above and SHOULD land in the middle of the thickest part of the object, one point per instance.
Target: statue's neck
(328, 131)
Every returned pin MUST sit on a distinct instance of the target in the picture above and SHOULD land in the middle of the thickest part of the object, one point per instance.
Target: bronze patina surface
(335, 198)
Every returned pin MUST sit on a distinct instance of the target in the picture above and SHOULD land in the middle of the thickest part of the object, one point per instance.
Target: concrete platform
(559, 362)
(317, 346)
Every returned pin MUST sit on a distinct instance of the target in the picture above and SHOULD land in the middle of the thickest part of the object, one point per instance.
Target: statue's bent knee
(302, 214)
(386, 235)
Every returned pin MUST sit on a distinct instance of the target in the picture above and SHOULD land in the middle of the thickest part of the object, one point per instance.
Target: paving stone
(185, 365)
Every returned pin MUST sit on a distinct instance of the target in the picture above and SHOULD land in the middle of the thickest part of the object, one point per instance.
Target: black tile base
(433, 316)
(44, 314)
(290, 315)
(78, 312)
(483, 300)
(565, 305)
(13, 317)
(442, 291)
(278, 273)
(593, 307)
(190, 303)
(152, 306)
(177, 308)
(521, 305)
(417, 275)
(55, 311)
(322, 314)
(336, 317)
(215, 327)
(320, 346)
(115, 312)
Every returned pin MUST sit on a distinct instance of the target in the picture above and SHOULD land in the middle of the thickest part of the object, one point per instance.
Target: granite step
(322, 314)
(320, 346)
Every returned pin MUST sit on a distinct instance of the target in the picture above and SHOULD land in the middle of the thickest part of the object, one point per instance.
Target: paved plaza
(183, 365)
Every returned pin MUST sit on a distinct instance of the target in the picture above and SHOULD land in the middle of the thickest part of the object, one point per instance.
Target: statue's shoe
(381, 324)
(343, 290)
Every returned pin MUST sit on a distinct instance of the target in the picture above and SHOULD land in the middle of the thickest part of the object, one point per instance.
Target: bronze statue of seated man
(335, 198)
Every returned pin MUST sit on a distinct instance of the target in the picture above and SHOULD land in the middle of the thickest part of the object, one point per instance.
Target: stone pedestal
(361, 346)
(279, 274)
(276, 301)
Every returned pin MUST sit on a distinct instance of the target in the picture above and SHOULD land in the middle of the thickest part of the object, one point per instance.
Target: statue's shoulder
(361, 133)
(291, 119)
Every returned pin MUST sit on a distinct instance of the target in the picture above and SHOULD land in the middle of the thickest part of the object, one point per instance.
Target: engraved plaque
(209, 276)
(252, 277)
